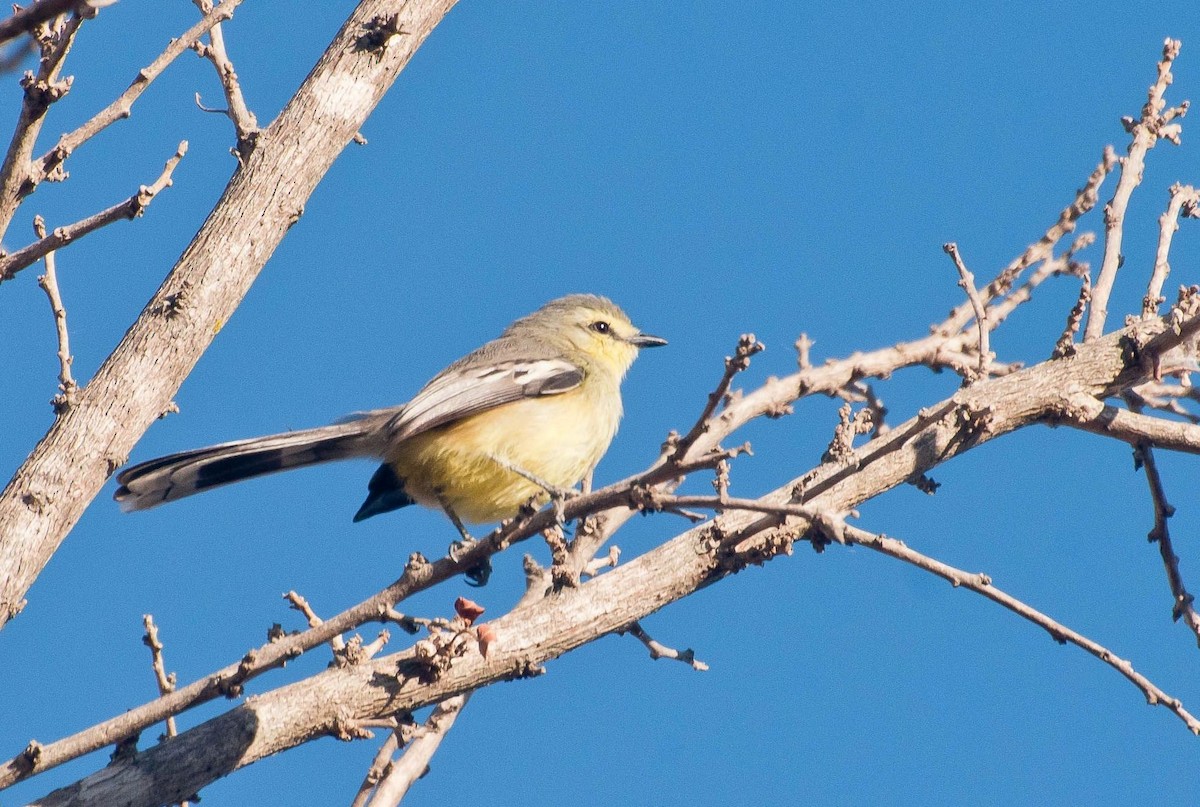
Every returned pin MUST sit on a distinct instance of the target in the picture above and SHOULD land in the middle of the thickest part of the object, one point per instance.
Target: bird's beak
(646, 340)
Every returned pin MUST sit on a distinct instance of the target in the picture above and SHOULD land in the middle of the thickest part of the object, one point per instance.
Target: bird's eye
(600, 326)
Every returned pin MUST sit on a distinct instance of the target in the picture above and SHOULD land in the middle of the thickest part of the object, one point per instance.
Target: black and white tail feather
(188, 472)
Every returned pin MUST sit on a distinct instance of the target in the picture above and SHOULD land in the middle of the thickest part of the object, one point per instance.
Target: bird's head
(591, 330)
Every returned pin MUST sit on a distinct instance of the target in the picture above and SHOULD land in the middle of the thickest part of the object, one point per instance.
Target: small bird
(524, 417)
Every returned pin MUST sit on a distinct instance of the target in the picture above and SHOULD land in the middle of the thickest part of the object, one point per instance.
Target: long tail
(175, 476)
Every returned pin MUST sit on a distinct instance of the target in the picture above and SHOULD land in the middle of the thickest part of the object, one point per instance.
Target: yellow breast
(557, 438)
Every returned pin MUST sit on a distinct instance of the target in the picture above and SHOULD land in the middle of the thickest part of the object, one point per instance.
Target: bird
(521, 419)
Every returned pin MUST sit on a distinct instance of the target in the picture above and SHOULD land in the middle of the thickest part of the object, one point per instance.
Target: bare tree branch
(379, 768)
(833, 528)
(545, 628)
(131, 208)
(1183, 602)
(166, 682)
(1153, 124)
(419, 575)
(659, 650)
(244, 123)
(966, 281)
(404, 772)
(1147, 363)
(1042, 249)
(1185, 201)
(1089, 414)
(49, 283)
(41, 90)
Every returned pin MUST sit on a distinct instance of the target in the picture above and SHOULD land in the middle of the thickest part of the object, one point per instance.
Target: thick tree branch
(419, 575)
(1089, 414)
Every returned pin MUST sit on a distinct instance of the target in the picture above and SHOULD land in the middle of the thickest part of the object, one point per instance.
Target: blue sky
(716, 169)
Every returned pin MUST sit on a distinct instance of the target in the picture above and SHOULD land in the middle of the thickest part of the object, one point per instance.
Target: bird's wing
(462, 391)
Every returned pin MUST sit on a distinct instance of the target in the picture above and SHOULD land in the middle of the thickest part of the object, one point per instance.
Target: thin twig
(1182, 606)
(49, 282)
(804, 346)
(982, 585)
(850, 425)
(166, 681)
(244, 122)
(336, 643)
(659, 650)
(1054, 266)
(967, 283)
(877, 409)
(130, 208)
(1065, 345)
(561, 572)
(1167, 398)
(1184, 201)
(747, 346)
(1154, 123)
